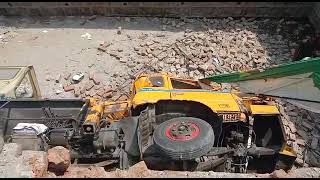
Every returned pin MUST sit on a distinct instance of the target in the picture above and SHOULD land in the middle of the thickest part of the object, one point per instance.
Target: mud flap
(129, 127)
(146, 122)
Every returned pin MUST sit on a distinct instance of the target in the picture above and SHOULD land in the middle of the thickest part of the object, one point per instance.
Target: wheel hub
(182, 131)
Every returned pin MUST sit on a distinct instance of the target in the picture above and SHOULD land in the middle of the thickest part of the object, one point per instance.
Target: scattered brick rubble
(223, 45)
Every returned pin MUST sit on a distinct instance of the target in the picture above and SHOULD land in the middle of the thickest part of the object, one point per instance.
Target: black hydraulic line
(5, 104)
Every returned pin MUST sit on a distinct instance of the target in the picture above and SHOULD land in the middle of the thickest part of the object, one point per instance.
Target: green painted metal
(283, 70)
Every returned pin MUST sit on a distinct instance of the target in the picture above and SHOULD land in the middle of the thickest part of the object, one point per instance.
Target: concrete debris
(59, 160)
(12, 164)
(58, 91)
(86, 172)
(89, 85)
(96, 80)
(77, 92)
(57, 79)
(87, 36)
(279, 174)
(37, 161)
(304, 173)
(67, 75)
(47, 77)
(103, 46)
(300, 142)
(115, 54)
(78, 77)
(119, 29)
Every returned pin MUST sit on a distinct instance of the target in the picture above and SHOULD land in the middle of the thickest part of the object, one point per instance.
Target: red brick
(89, 85)
(68, 88)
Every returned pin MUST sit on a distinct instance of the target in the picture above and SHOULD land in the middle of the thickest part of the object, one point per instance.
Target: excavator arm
(297, 82)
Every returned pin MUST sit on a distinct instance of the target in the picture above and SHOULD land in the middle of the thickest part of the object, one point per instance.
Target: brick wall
(167, 9)
(171, 9)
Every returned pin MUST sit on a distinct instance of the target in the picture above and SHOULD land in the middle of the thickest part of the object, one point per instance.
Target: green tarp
(300, 67)
(297, 82)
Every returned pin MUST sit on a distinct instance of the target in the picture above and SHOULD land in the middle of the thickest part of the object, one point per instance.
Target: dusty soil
(61, 49)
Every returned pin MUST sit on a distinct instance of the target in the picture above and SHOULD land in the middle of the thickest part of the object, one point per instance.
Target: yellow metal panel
(94, 114)
(264, 109)
(286, 150)
(116, 110)
(217, 101)
(214, 100)
(143, 81)
(143, 97)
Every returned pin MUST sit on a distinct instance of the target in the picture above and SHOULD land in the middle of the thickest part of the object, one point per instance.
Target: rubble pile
(226, 45)
(13, 164)
(17, 163)
(302, 129)
(88, 85)
(219, 46)
(200, 54)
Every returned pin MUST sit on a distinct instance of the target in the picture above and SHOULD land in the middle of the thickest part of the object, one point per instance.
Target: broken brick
(96, 80)
(92, 93)
(67, 76)
(114, 54)
(300, 142)
(107, 95)
(82, 90)
(116, 97)
(89, 85)
(87, 93)
(83, 95)
(97, 88)
(100, 93)
(77, 92)
(59, 160)
(107, 89)
(68, 88)
(91, 75)
(123, 98)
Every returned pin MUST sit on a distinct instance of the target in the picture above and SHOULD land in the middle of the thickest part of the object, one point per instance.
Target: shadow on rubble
(288, 30)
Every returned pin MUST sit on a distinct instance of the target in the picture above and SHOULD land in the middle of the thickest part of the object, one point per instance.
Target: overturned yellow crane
(168, 122)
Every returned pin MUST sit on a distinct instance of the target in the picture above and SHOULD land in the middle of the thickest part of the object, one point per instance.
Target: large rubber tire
(184, 150)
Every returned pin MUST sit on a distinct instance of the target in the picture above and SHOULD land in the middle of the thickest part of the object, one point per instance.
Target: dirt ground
(54, 46)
